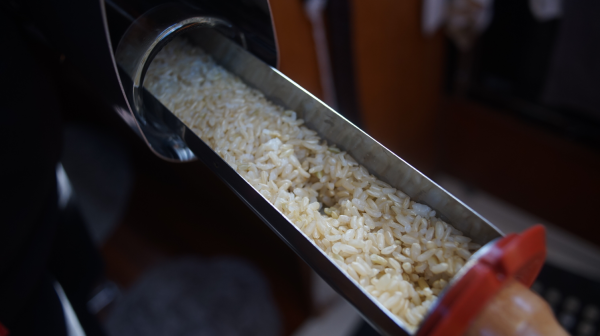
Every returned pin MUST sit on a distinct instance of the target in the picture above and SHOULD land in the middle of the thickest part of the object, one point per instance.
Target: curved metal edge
(142, 41)
(158, 41)
(125, 112)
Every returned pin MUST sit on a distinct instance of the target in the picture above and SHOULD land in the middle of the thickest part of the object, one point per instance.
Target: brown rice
(396, 249)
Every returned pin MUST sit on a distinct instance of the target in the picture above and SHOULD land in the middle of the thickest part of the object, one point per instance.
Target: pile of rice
(396, 249)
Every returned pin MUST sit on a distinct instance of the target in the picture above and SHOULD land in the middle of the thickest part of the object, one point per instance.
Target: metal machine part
(154, 29)
(142, 41)
(251, 17)
(89, 48)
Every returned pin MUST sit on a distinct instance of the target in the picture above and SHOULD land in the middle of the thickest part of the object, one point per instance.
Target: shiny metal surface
(336, 129)
(329, 124)
(138, 46)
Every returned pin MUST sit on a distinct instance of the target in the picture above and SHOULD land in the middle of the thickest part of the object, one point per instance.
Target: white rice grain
(393, 247)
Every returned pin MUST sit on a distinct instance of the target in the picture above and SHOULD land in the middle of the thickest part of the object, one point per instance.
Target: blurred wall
(296, 48)
(399, 75)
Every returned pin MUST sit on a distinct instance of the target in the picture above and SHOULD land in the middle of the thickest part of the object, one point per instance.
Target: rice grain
(393, 247)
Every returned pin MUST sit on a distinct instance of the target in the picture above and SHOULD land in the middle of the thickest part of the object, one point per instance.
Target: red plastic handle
(519, 257)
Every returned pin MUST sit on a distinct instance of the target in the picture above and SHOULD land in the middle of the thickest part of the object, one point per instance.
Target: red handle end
(519, 257)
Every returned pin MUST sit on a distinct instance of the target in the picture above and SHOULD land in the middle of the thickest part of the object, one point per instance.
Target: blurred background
(497, 101)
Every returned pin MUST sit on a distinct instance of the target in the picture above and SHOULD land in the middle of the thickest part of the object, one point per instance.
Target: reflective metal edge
(368, 152)
(335, 129)
(138, 46)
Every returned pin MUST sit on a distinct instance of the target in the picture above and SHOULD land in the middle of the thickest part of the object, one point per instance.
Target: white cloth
(464, 20)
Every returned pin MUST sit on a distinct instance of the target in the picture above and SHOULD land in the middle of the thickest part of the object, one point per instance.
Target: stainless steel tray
(172, 140)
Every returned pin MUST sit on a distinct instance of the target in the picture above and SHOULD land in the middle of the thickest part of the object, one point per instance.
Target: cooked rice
(396, 249)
